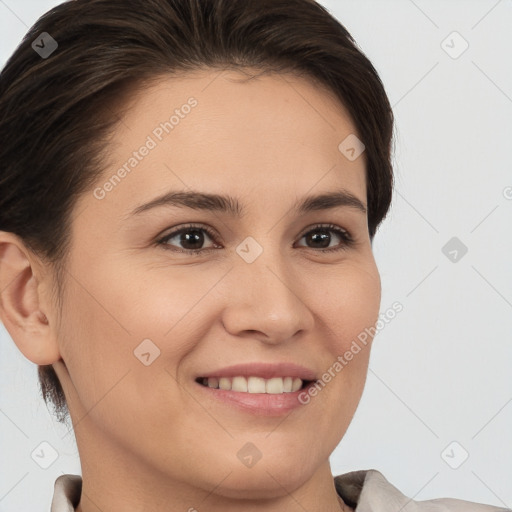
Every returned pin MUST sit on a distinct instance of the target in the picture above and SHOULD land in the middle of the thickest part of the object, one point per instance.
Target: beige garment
(369, 491)
(365, 491)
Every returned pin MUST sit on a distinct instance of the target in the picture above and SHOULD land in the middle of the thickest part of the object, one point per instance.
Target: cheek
(348, 306)
(348, 301)
(115, 321)
(97, 345)
(105, 352)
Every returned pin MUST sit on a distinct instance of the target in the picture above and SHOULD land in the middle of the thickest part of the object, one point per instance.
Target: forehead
(223, 131)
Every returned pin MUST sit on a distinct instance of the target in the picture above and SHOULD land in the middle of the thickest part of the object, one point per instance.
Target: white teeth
(297, 384)
(275, 385)
(238, 384)
(212, 382)
(224, 383)
(255, 385)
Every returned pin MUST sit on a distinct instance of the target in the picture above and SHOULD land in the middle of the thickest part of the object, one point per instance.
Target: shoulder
(368, 490)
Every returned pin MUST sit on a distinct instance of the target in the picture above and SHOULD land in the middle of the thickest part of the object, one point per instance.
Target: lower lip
(262, 404)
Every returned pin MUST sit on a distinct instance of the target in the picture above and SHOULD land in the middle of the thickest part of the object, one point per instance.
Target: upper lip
(263, 370)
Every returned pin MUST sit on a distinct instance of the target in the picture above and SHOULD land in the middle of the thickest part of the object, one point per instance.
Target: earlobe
(21, 303)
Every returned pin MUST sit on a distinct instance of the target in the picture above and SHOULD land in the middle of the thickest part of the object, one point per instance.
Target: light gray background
(440, 371)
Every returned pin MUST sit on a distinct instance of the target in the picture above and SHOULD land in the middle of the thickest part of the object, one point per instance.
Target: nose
(265, 301)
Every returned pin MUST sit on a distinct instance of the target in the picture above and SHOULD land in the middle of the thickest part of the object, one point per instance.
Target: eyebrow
(230, 205)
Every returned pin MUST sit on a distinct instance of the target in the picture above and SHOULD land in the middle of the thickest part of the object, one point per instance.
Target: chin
(261, 483)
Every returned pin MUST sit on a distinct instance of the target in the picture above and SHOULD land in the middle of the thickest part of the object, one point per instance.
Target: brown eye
(190, 238)
(321, 236)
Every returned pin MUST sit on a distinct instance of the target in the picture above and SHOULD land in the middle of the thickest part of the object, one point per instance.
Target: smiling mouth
(275, 385)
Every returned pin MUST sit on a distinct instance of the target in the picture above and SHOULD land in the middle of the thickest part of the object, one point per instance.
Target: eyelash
(348, 241)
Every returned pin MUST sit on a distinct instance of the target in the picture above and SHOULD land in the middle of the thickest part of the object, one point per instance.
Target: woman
(189, 194)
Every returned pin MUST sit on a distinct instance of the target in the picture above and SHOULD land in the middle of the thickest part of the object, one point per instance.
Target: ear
(24, 310)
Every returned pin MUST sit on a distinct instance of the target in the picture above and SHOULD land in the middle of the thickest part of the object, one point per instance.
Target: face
(154, 300)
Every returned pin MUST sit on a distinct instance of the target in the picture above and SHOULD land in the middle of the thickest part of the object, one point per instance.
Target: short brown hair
(56, 112)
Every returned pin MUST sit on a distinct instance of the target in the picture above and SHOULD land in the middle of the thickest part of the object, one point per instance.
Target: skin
(147, 438)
